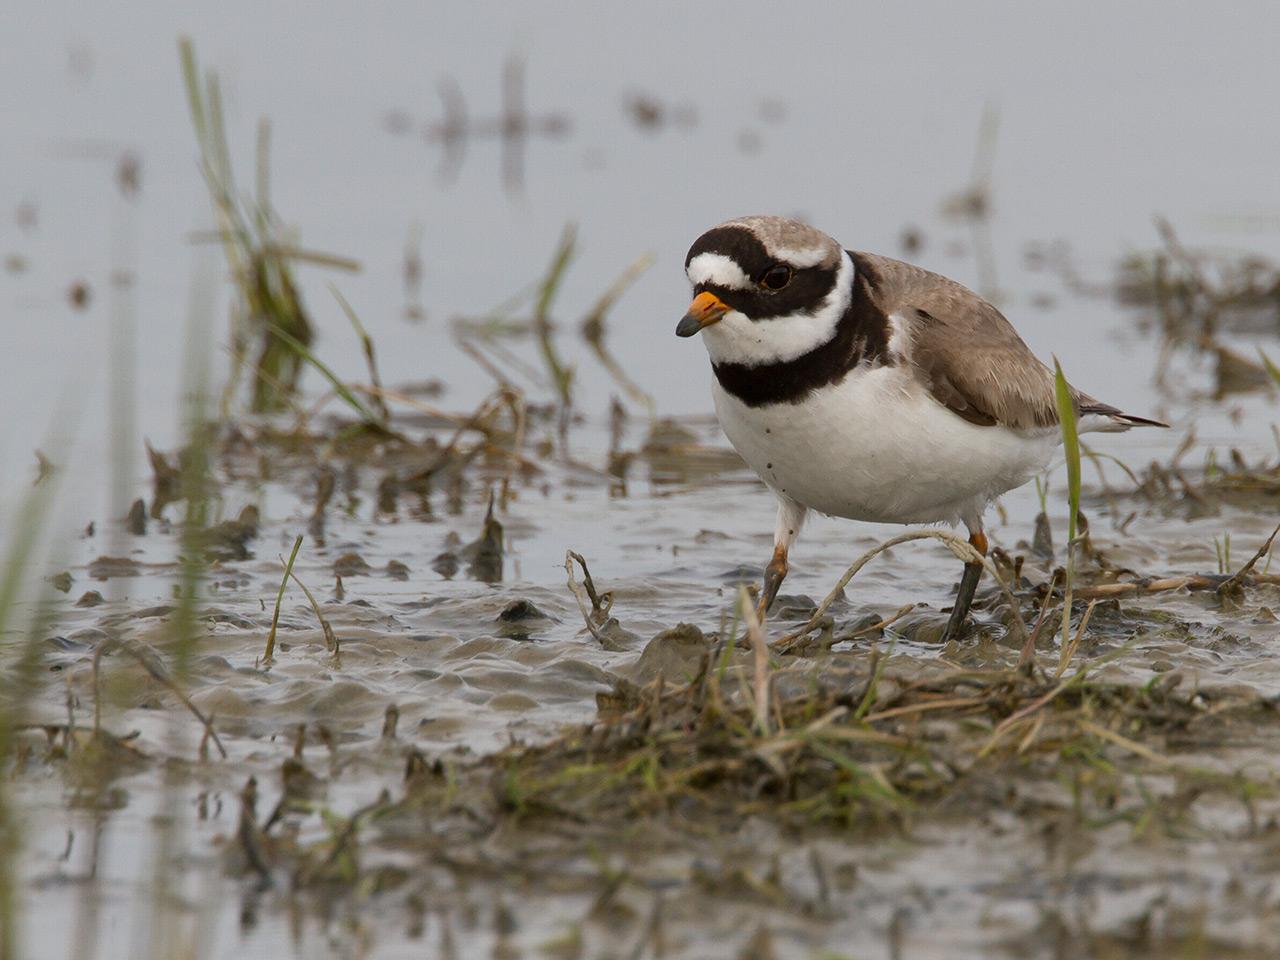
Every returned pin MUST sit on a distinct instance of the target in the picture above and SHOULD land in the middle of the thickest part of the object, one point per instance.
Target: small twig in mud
(1027, 658)
(601, 603)
(267, 656)
(960, 547)
(149, 659)
(760, 660)
(1236, 578)
(1193, 581)
(1069, 650)
(599, 611)
(166, 481)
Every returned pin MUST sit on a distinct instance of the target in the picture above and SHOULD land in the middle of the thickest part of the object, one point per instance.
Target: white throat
(754, 343)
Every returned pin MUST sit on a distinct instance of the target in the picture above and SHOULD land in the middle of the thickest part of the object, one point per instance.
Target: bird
(867, 388)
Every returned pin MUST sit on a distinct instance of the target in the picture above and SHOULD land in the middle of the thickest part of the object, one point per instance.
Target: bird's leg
(790, 518)
(968, 584)
(774, 574)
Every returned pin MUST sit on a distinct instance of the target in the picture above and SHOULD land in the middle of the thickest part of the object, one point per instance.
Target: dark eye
(776, 277)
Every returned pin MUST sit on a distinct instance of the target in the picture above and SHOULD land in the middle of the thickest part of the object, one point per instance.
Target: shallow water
(1085, 153)
(466, 681)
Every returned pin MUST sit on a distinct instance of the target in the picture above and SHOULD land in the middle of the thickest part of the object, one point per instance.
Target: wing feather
(968, 355)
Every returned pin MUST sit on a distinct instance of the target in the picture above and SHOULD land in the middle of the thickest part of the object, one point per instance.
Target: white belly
(877, 447)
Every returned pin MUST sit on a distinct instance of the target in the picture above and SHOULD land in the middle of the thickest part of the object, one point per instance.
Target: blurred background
(444, 147)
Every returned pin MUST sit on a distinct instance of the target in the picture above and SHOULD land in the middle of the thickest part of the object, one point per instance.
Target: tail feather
(1120, 419)
(1129, 420)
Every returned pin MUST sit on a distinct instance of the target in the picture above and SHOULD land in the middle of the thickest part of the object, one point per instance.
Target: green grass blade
(339, 387)
(1272, 369)
(268, 655)
(561, 375)
(370, 355)
(1070, 443)
(1071, 446)
(191, 80)
(219, 152)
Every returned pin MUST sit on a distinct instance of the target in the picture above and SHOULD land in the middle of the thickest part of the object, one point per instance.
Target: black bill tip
(688, 326)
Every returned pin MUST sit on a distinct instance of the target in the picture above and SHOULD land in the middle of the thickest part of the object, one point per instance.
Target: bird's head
(766, 290)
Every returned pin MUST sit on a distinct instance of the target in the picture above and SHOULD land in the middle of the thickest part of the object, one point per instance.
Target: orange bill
(705, 310)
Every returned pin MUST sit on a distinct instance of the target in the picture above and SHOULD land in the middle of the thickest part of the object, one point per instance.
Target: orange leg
(774, 574)
(790, 519)
(968, 584)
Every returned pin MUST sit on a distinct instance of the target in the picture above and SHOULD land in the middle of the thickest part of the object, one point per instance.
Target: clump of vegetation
(271, 329)
(1195, 300)
(1193, 490)
(1198, 294)
(865, 747)
(676, 765)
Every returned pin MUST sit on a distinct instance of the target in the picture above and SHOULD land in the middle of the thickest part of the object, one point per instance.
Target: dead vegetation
(881, 747)
(1201, 303)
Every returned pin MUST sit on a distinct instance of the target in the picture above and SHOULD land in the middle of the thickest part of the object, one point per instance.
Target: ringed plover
(867, 388)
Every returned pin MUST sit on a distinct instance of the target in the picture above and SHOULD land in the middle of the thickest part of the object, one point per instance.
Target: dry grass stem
(958, 545)
(760, 660)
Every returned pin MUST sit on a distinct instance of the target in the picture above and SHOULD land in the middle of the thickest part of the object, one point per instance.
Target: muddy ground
(462, 759)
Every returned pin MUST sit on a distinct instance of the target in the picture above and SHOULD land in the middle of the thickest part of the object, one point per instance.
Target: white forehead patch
(801, 258)
(717, 270)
